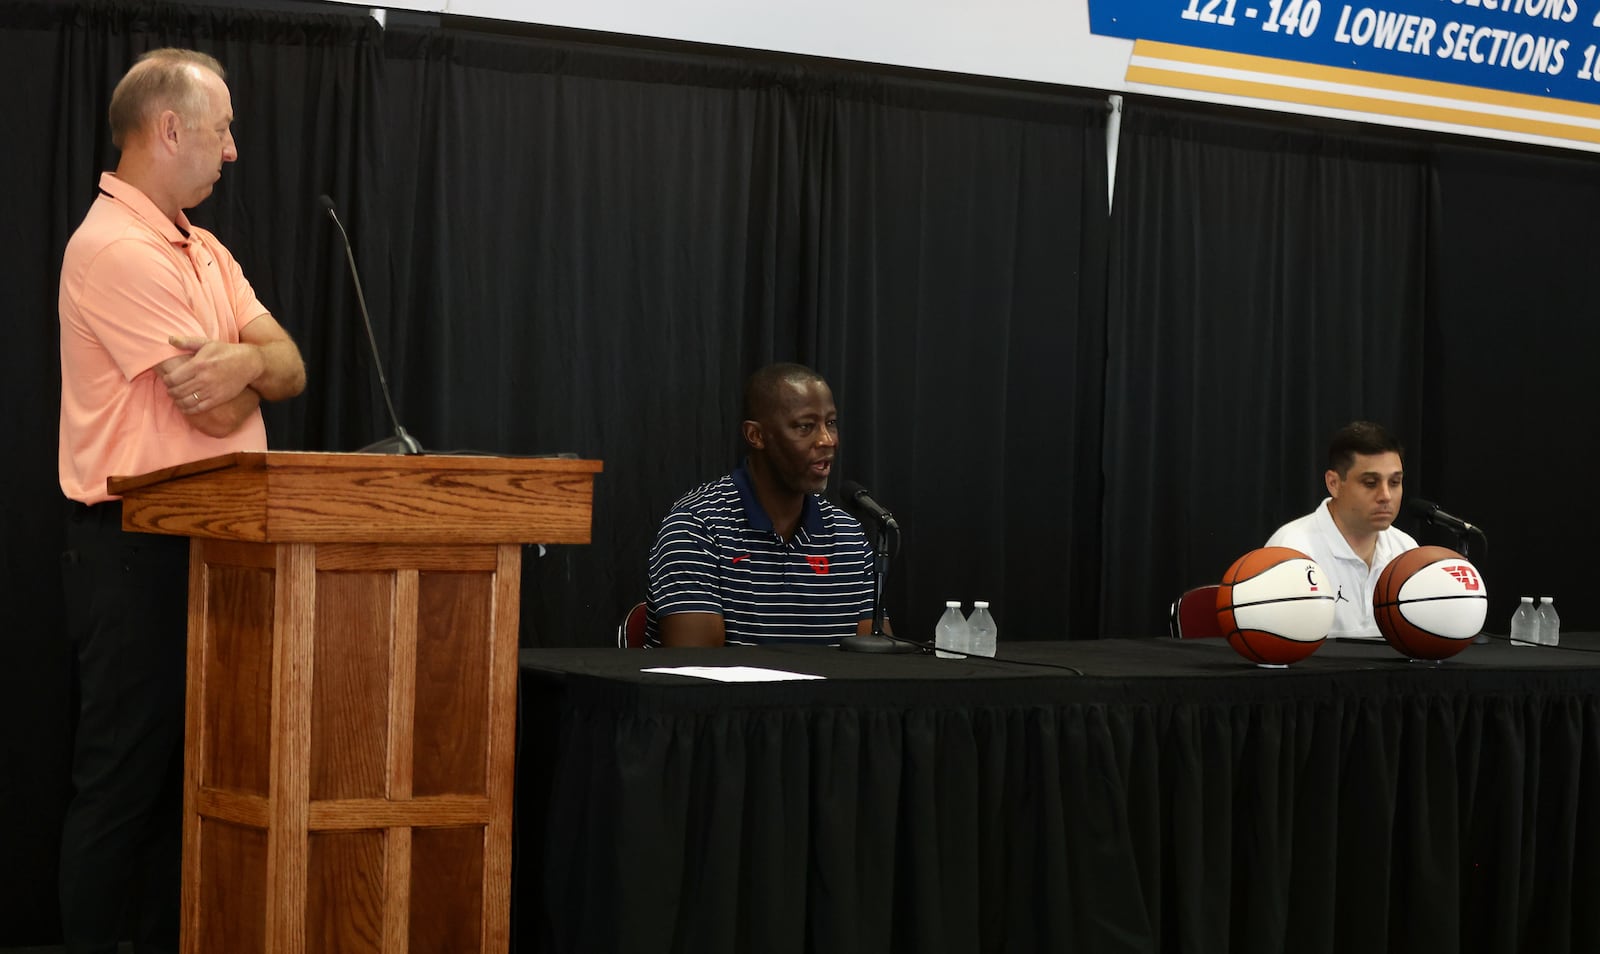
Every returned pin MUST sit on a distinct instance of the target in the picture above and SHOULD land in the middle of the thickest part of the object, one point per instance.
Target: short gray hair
(158, 80)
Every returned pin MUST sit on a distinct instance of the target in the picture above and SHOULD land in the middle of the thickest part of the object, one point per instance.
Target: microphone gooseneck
(401, 442)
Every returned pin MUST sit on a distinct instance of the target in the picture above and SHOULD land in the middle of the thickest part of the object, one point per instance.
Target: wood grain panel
(439, 811)
(232, 913)
(237, 553)
(350, 685)
(236, 722)
(194, 715)
(365, 498)
(345, 885)
(288, 792)
(235, 808)
(451, 727)
(447, 891)
(397, 904)
(376, 556)
(224, 504)
(403, 687)
(502, 752)
(444, 503)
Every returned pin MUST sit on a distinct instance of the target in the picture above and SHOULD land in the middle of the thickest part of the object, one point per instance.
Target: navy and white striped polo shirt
(717, 552)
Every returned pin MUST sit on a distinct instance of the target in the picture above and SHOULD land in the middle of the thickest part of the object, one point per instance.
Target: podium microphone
(400, 442)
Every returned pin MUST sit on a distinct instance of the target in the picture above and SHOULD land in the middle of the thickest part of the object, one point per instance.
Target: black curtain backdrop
(1511, 399)
(588, 248)
(572, 244)
(960, 295)
(1267, 285)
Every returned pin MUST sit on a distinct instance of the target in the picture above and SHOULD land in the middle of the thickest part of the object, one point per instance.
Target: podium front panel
(350, 683)
(345, 892)
(237, 671)
(451, 722)
(350, 757)
(230, 915)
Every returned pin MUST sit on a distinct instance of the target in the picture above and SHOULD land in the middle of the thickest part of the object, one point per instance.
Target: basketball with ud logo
(1275, 606)
(1430, 602)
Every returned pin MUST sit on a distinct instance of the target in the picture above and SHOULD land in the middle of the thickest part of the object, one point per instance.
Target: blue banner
(1536, 47)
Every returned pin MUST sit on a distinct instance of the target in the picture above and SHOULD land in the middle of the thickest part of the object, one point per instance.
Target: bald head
(791, 434)
(766, 390)
(160, 80)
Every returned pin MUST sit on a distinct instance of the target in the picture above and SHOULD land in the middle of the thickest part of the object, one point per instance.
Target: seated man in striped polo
(759, 556)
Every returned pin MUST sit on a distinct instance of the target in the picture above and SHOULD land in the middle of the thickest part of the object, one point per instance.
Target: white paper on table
(733, 673)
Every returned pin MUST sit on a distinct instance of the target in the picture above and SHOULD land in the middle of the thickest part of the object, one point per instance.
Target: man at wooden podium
(166, 355)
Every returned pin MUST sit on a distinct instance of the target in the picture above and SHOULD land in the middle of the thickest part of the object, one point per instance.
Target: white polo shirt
(1318, 537)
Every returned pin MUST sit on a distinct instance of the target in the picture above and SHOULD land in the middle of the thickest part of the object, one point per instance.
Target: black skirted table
(1103, 796)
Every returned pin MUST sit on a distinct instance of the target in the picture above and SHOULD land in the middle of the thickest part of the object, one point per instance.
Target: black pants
(121, 843)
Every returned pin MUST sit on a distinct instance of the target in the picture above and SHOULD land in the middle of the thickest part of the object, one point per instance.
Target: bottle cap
(1527, 599)
(1548, 599)
(980, 604)
(956, 604)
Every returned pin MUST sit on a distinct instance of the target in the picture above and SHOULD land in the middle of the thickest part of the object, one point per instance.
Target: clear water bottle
(951, 632)
(1549, 622)
(1525, 624)
(984, 632)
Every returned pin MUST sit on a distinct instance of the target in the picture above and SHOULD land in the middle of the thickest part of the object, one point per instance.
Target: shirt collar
(1330, 531)
(140, 205)
(810, 511)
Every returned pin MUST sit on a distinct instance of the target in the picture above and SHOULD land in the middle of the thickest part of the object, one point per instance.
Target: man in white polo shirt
(1350, 534)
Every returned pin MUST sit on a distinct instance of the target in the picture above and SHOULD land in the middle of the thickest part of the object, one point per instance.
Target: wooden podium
(352, 691)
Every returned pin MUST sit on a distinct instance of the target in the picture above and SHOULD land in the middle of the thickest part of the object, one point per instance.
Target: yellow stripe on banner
(1366, 104)
(1350, 77)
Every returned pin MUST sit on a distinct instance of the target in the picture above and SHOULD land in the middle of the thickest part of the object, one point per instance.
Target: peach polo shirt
(129, 279)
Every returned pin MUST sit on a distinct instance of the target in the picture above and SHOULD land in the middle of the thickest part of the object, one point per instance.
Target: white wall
(1042, 40)
(1045, 40)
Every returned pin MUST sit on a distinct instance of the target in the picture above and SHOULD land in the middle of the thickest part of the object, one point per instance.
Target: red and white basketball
(1275, 606)
(1430, 602)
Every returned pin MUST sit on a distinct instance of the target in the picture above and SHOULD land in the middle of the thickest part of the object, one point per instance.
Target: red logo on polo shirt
(742, 556)
(819, 564)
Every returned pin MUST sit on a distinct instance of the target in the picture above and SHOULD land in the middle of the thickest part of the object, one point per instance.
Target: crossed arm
(219, 384)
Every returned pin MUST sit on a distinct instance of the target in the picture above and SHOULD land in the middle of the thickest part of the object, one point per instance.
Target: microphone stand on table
(1433, 515)
(878, 641)
(1462, 530)
(1464, 536)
